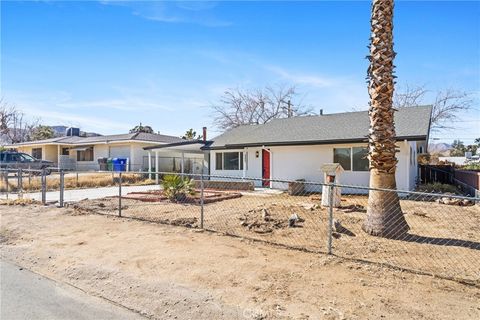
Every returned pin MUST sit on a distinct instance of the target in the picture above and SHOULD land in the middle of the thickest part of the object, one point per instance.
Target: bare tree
(447, 104)
(14, 127)
(238, 106)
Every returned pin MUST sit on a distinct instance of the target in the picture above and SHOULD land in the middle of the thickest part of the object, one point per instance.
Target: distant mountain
(59, 130)
(440, 148)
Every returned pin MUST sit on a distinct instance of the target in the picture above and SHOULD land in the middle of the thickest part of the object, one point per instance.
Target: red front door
(266, 168)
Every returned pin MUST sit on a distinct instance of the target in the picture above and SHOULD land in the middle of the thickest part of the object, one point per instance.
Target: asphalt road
(27, 295)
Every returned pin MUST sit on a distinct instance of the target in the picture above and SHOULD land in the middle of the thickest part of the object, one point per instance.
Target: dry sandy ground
(444, 240)
(174, 272)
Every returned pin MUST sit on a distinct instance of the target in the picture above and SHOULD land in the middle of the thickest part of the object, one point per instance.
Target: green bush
(474, 166)
(176, 188)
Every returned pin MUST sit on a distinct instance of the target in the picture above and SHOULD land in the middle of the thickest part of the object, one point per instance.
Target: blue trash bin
(119, 164)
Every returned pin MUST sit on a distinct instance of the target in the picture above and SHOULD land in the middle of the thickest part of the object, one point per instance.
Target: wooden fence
(468, 181)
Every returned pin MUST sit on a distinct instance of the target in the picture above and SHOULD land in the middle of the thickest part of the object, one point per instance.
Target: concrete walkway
(80, 194)
(26, 295)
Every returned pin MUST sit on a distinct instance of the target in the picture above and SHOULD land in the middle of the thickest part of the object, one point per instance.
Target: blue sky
(106, 66)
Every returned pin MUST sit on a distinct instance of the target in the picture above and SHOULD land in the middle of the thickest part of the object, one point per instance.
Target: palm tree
(384, 214)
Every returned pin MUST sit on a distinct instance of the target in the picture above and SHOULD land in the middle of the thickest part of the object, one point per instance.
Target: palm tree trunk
(384, 214)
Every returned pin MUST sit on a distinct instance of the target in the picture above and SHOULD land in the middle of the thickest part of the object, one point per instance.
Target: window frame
(84, 151)
(368, 162)
(41, 153)
(351, 169)
(220, 165)
(349, 155)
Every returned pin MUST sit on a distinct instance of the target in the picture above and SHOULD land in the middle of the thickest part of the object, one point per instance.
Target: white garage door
(120, 152)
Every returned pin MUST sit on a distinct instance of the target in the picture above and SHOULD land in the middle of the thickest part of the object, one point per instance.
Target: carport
(183, 148)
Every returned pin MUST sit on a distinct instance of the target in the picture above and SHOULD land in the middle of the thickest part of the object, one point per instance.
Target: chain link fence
(443, 237)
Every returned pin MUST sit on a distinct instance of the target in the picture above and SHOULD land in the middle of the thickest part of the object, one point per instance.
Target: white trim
(82, 143)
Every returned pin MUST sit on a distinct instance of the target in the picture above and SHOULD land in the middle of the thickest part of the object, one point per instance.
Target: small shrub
(176, 188)
(474, 166)
(438, 187)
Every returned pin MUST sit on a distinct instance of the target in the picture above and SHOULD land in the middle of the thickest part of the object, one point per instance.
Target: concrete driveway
(79, 194)
(27, 295)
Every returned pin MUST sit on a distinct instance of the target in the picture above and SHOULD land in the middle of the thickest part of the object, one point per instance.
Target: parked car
(17, 160)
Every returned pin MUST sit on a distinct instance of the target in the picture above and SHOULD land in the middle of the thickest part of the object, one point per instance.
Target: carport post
(149, 165)
(156, 167)
(120, 194)
(183, 162)
(5, 175)
(62, 187)
(330, 218)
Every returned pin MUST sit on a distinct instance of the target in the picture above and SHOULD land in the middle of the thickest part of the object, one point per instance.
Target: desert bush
(474, 166)
(438, 187)
(176, 188)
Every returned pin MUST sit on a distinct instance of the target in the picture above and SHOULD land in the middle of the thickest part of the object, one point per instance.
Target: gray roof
(141, 136)
(412, 123)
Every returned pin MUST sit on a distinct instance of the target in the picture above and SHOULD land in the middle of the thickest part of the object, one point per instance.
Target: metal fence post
(201, 200)
(44, 187)
(6, 181)
(120, 194)
(20, 183)
(330, 218)
(62, 187)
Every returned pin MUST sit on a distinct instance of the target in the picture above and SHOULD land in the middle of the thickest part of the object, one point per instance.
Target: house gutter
(306, 143)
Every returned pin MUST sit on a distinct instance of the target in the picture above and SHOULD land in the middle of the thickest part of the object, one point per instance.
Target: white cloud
(195, 12)
(127, 104)
(97, 124)
(300, 78)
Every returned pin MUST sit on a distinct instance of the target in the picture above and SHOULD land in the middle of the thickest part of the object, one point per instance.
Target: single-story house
(295, 148)
(82, 153)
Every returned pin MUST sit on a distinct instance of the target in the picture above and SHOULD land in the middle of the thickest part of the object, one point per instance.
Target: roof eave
(312, 142)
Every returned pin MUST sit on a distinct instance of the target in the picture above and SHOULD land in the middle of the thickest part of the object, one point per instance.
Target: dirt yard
(444, 240)
(175, 272)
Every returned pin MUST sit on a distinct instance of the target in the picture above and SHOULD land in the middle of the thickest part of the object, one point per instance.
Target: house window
(342, 156)
(218, 161)
(65, 151)
(229, 161)
(85, 155)
(359, 159)
(37, 153)
(354, 159)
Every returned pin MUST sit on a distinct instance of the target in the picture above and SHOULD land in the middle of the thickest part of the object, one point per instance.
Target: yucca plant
(176, 188)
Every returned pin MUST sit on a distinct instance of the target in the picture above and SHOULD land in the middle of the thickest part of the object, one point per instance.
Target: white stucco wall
(304, 162)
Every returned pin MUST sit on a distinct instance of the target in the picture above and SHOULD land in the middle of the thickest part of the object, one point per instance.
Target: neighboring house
(295, 148)
(81, 153)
